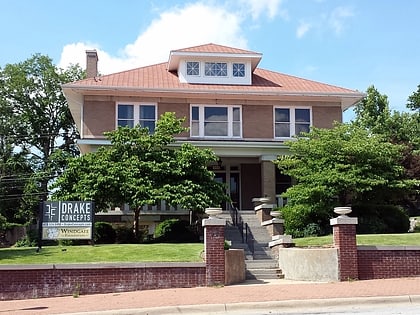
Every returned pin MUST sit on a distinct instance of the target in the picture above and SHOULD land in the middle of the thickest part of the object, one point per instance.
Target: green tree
(401, 128)
(413, 101)
(140, 168)
(373, 111)
(39, 123)
(340, 166)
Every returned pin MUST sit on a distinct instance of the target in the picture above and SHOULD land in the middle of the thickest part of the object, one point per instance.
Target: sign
(67, 220)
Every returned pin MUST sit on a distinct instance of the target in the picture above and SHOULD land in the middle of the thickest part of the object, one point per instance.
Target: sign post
(67, 220)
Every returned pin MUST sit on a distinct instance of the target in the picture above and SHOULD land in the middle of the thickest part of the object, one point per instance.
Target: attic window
(215, 69)
(238, 69)
(193, 68)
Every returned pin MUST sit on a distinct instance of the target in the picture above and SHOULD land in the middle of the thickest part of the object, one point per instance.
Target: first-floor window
(133, 114)
(215, 121)
(290, 122)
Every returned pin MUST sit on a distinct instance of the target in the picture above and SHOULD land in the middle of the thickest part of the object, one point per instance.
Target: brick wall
(26, 282)
(388, 262)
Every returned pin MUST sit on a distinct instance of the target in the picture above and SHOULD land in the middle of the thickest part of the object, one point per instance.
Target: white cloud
(258, 8)
(302, 29)
(338, 17)
(191, 25)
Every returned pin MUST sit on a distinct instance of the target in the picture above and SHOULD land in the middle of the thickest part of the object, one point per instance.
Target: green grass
(365, 239)
(103, 254)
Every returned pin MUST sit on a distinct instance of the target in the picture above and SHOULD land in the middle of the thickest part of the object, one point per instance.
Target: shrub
(174, 230)
(104, 233)
(381, 219)
(125, 235)
(30, 239)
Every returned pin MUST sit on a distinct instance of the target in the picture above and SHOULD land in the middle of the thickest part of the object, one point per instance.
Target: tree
(413, 101)
(373, 111)
(402, 128)
(340, 166)
(140, 168)
(39, 123)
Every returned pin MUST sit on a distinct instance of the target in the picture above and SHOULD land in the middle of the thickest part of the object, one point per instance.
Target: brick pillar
(344, 232)
(214, 241)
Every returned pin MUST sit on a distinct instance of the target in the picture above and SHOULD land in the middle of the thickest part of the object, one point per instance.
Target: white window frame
(201, 121)
(292, 122)
(199, 68)
(136, 111)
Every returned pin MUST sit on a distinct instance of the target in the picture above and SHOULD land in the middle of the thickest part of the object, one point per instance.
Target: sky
(348, 43)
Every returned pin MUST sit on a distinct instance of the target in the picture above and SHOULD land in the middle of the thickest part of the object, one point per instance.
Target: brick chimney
(91, 63)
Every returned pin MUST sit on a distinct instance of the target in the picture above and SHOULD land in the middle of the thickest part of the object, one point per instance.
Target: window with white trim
(289, 122)
(216, 121)
(193, 68)
(215, 69)
(137, 113)
(238, 69)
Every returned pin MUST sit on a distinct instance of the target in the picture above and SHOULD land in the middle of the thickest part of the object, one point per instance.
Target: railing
(249, 238)
(244, 229)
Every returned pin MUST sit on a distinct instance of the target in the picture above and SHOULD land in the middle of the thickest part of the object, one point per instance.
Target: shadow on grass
(22, 254)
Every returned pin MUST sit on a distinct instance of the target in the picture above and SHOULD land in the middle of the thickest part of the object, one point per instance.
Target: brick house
(242, 112)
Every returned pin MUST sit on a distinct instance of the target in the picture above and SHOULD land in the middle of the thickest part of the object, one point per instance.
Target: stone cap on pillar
(343, 220)
(213, 222)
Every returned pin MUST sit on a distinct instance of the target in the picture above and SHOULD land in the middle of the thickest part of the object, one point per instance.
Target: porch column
(268, 177)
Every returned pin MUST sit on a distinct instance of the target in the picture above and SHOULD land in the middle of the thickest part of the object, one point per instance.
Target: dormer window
(215, 69)
(193, 68)
(238, 69)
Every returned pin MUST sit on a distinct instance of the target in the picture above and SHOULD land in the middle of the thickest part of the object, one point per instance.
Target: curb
(289, 305)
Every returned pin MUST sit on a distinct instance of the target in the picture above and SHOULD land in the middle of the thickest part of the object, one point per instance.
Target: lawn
(103, 254)
(406, 239)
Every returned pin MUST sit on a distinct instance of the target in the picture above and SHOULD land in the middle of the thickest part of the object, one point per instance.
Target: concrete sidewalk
(207, 300)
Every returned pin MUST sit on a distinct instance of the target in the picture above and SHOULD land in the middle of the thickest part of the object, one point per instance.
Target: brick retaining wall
(36, 281)
(379, 262)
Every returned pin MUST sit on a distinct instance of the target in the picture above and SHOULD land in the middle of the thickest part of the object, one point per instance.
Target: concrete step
(259, 274)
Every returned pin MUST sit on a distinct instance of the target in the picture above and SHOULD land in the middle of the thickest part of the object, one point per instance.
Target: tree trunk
(136, 222)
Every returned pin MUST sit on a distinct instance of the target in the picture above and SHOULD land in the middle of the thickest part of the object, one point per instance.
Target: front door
(231, 180)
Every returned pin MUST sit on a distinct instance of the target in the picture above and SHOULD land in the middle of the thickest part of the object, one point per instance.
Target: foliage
(140, 168)
(339, 166)
(380, 219)
(403, 128)
(174, 230)
(104, 233)
(413, 101)
(125, 235)
(35, 122)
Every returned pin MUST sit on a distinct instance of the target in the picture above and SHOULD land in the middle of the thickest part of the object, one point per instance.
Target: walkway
(209, 299)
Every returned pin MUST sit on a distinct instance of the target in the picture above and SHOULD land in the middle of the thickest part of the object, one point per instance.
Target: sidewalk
(209, 299)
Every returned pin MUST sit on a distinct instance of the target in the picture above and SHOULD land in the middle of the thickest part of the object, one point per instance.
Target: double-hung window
(137, 113)
(289, 122)
(216, 121)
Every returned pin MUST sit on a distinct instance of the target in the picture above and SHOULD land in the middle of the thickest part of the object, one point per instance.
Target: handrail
(244, 229)
(249, 238)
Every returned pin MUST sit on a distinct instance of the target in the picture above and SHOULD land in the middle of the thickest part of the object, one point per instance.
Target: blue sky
(352, 43)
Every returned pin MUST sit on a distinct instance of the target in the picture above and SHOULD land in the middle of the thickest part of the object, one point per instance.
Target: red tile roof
(156, 77)
(214, 48)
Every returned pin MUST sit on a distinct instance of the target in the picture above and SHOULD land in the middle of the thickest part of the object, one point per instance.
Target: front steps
(260, 265)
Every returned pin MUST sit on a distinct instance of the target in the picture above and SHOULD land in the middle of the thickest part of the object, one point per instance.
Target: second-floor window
(137, 113)
(216, 121)
(289, 122)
